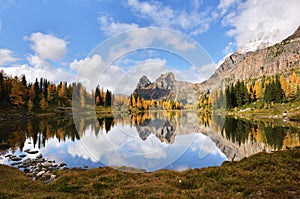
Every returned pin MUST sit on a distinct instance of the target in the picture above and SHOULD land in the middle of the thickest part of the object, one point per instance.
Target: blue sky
(52, 38)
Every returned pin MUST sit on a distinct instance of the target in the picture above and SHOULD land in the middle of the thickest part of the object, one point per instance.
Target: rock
(29, 175)
(47, 175)
(26, 170)
(27, 150)
(62, 164)
(15, 163)
(162, 88)
(32, 152)
(143, 82)
(53, 177)
(39, 156)
(27, 161)
(279, 58)
(46, 164)
(15, 159)
(40, 173)
(8, 155)
(22, 156)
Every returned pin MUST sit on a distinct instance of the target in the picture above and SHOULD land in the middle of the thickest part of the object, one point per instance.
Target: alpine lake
(147, 141)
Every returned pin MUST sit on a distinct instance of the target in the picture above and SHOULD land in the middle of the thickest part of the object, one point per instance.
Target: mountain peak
(166, 81)
(143, 82)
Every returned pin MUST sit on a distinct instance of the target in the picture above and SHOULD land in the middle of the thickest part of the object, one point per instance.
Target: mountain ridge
(281, 57)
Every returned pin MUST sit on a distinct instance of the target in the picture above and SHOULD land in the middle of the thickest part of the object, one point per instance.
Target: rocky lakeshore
(38, 167)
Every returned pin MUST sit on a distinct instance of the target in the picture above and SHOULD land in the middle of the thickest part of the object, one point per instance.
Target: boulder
(39, 156)
(31, 152)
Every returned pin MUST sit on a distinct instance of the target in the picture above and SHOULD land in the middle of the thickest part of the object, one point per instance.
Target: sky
(56, 39)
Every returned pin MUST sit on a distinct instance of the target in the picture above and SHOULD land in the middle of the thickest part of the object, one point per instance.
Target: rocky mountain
(163, 88)
(279, 58)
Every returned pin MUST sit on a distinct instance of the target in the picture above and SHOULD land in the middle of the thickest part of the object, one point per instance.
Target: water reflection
(149, 141)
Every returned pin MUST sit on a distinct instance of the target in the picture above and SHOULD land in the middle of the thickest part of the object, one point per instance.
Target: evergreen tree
(36, 99)
(108, 98)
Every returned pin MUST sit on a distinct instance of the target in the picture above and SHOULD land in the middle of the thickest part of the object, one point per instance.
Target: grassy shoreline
(275, 175)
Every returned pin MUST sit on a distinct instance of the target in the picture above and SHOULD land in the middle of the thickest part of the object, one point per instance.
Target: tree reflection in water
(165, 125)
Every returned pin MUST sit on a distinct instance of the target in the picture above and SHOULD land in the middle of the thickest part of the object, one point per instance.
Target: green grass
(257, 111)
(275, 175)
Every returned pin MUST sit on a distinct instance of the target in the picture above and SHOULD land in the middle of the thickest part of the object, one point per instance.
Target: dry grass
(275, 175)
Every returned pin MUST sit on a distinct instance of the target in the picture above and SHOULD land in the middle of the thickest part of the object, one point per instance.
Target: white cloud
(126, 81)
(158, 38)
(6, 56)
(230, 48)
(47, 46)
(193, 22)
(257, 24)
(53, 74)
(196, 4)
(225, 5)
(93, 71)
(110, 27)
(38, 62)
(202, 73)
(89, 70)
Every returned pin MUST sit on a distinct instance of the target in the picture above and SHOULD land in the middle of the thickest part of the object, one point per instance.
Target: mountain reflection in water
(149, 141)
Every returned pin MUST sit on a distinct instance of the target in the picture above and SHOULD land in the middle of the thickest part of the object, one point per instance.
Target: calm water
(148, 141)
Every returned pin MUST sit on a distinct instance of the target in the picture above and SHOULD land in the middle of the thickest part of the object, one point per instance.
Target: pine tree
(108, 98)
(98, 98)
(36, 99)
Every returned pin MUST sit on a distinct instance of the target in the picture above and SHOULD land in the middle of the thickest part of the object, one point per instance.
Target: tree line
(137, 102)
(267, 90)
(43, 94)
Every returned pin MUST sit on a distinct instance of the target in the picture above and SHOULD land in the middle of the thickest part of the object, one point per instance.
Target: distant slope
(279, 58)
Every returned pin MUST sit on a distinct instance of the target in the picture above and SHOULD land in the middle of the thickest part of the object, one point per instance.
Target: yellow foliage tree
(284, 84)
(43, 103)
(258, 90)
(18, 93)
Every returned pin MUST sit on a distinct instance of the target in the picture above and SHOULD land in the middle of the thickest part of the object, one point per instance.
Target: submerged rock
(15, 159)
(31, 152)
(15, 163)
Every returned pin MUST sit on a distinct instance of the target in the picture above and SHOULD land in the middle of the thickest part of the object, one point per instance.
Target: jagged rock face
(163, 130)
(144, 82)
(166, 87)
(166, 81)
(163, 88)
(279, 58)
